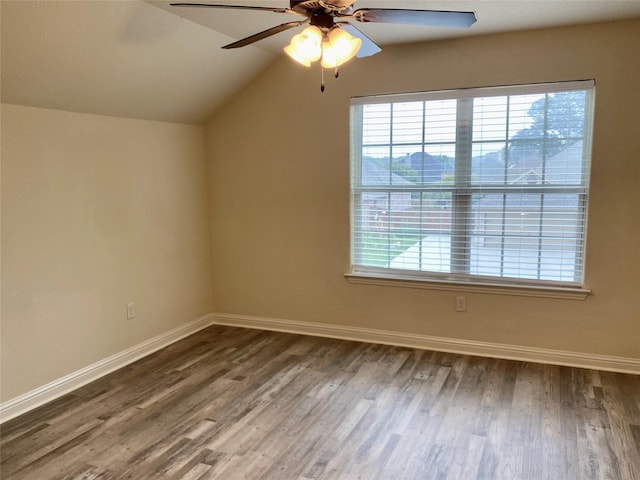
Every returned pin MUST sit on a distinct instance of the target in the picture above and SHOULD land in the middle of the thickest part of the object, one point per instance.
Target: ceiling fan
(330, 37)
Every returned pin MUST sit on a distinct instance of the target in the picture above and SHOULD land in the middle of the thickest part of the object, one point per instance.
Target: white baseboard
(466, 347)
(35, 398)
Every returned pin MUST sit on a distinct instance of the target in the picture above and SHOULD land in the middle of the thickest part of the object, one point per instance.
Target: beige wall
(100, 211)
(279, 186)
(96, 212)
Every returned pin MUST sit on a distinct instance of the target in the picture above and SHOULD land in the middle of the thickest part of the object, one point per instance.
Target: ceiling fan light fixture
(336, 39)
(339, 47)
(306, 47)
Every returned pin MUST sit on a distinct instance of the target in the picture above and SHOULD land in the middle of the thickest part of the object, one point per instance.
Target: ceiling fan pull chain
(322, 79)
(337, 73)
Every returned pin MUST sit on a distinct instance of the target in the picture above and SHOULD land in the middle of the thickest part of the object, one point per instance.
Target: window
(486, 185)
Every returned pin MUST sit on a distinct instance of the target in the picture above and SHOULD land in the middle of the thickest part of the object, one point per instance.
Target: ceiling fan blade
(237, 7)
(265, 34)
(429, 18)
(368, 47)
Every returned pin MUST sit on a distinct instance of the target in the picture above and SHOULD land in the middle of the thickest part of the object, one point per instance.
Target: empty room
(278, 240)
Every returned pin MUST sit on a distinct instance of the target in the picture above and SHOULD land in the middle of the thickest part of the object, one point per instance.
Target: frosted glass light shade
(338, 48)
(306, 47)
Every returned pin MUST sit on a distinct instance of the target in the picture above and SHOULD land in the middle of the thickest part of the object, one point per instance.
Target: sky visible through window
(398, 129)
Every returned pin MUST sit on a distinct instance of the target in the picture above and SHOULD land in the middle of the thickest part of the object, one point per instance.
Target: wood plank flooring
(231, 403)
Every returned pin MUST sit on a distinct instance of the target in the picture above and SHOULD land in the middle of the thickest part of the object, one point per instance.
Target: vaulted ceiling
(146, 59)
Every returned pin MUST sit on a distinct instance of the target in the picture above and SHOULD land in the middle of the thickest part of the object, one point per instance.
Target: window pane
(519, 117)
(489, 119)
(435, 165)
(440, 121)
(371, 221)
(427, 242)
(376, 125)
(375, 171)
(488, 164)
(563, 117)
(390, 224)
(407, 122)
(526, 236)
(548, 146)
(567, 166)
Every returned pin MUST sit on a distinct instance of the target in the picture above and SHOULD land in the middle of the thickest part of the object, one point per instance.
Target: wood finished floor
(231, 403)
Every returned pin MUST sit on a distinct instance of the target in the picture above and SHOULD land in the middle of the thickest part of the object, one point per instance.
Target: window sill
(565, 293)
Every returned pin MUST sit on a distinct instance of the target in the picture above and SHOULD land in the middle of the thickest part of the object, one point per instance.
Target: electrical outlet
(131, 310)
(461, 304)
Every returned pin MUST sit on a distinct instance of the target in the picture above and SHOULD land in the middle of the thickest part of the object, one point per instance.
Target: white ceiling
(146, 59)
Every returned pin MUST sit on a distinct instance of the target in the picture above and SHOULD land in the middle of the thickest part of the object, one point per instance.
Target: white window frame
(463, 280)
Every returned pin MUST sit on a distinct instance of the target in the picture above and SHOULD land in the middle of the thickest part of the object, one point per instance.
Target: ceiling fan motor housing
(306, 7)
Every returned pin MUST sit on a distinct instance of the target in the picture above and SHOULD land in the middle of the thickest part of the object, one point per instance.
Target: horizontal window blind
(488, 183)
